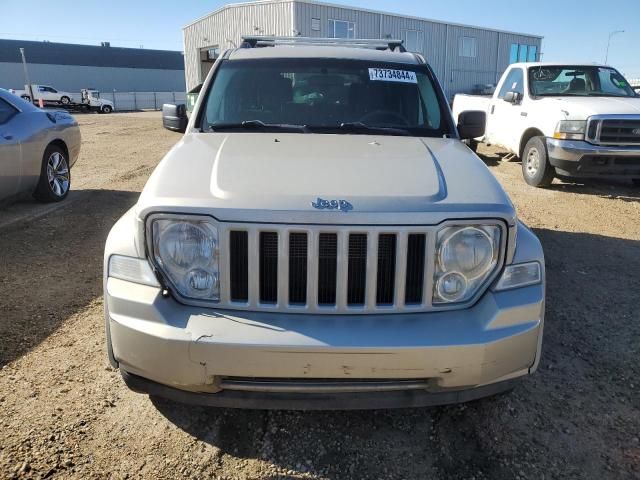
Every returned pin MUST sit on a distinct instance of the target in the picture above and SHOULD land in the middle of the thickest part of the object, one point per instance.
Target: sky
(573, 30)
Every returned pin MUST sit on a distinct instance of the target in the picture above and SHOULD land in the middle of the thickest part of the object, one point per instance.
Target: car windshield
(581, 81)
(324, 96)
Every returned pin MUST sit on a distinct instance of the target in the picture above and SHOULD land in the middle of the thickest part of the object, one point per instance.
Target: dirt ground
(65, 414)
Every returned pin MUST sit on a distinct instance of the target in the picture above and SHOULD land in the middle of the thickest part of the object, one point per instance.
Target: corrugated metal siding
(440, 41)
(225, 28)
(367, 24)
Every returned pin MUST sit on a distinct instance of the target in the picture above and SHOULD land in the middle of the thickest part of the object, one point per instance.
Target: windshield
(581, 81)
(325, 95)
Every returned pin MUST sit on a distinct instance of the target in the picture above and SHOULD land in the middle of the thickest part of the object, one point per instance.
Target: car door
(506, 118)
(10, 152)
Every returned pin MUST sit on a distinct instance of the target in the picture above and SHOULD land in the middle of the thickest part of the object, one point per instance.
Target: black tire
(65, 100)
(635, 182)
(107, 109)
(536, 169)
(55, 177)
(472, 144)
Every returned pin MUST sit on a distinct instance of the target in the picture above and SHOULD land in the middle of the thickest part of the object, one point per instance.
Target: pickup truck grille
(326, 269)
(614, 130)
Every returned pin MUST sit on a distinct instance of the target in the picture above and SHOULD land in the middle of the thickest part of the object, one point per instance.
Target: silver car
(37, 150)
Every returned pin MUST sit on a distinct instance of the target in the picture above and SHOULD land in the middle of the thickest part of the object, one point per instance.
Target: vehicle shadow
(51, 263)
(545, 427)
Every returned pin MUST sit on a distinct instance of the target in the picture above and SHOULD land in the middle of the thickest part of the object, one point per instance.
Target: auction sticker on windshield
(390, 75)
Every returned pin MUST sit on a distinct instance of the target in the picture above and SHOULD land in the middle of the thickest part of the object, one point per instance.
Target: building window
(412, 40)
(342, 29)
(315, 24)
(468, 47)
(523, 53)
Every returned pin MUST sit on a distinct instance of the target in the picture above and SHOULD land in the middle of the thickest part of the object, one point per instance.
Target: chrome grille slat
(342, 269)
(401, 268)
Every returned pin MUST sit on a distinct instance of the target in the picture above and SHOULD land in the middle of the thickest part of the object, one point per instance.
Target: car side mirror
(174, 117)
(471, 124)
(512, 97)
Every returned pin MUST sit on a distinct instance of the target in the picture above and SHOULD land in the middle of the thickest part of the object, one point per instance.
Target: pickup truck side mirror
(471, 124)
(512, 97)
(174, 117)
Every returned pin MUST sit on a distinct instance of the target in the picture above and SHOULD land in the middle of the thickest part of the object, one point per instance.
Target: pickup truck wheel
(55, 176)
(65, 100)
(472, 144)
(536, 169)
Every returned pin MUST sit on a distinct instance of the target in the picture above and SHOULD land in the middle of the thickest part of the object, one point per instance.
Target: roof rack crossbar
(256, 41)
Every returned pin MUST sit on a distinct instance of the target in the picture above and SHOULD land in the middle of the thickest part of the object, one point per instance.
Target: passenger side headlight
(185, 249)
(570, 130)
(466, 257)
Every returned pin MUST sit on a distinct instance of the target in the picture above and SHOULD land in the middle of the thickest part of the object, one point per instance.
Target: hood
(580, 108)
(276, 177)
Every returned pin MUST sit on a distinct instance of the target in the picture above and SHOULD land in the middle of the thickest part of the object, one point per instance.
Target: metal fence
(140, 100)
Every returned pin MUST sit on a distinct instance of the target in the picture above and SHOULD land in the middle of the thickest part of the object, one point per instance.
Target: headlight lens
(570, 129)
(466, 256)
(186, 251)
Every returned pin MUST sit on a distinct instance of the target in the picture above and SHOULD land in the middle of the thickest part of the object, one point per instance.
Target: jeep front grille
(315, 269)
(614, 130)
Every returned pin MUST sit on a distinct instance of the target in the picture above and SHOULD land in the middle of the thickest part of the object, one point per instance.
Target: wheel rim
(65, 100)
(532, 163)
(58, 174)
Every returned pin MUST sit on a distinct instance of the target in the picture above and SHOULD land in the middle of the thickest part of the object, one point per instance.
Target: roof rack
(271, 41)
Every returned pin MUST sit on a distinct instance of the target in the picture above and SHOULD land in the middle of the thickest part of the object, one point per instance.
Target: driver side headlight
(570, 130)
(185, 249)
(467, 255)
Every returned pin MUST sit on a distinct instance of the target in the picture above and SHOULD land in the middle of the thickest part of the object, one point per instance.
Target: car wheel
(55, 176)
(107, 109)
(65, 100)
(536, 169)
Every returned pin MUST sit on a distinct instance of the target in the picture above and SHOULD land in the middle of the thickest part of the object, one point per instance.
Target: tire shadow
(51, 265)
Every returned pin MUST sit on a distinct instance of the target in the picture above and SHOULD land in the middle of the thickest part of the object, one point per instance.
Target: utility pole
(26, 74)
(606, 58)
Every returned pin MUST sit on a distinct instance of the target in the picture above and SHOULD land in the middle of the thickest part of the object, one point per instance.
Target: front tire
(55, 176)
(107, 109)
(65, 100)
(536, 169)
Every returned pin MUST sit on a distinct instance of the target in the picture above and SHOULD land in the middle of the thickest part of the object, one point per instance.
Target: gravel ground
(65, 414)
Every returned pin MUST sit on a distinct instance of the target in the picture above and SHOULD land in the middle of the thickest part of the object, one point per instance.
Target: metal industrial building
(462, 56)
(71, 67)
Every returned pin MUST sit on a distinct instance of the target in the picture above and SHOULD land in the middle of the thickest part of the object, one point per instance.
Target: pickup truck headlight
(570, 130)
(466, 257)
(185, 250)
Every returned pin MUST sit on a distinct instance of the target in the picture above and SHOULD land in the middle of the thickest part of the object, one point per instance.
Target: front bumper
(162, 346)
(581, 159)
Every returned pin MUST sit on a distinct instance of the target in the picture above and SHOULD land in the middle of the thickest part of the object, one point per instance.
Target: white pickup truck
(44, 92)
(563, 120)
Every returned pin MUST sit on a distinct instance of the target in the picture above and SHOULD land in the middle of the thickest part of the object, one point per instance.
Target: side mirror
(471, 124)
(512, 97)
(174, 117)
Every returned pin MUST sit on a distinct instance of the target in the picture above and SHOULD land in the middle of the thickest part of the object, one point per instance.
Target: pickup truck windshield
(581, 81)
(324, 96)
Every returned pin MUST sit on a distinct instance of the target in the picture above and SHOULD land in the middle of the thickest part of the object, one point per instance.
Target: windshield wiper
(256, 125)
(363, 127)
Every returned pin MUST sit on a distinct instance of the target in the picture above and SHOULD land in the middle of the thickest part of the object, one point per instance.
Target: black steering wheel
(384, 117)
